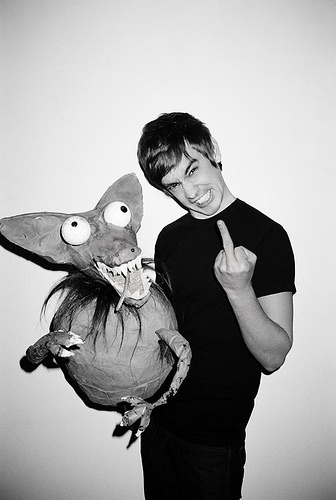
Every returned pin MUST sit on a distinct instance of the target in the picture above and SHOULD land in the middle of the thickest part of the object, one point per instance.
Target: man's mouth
(204, 199)
(130, 280)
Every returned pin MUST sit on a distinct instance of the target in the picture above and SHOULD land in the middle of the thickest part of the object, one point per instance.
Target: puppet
(114, 332)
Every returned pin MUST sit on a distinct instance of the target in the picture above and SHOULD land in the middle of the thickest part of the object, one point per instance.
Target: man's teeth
(204, 198)
(122, 269)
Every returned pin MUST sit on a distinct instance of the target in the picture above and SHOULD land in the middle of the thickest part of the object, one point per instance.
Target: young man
(231, 270)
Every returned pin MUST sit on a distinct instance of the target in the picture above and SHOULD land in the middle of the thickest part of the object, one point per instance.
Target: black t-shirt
(215, 401)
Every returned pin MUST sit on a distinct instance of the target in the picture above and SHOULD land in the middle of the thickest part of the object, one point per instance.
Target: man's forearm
(267, 340)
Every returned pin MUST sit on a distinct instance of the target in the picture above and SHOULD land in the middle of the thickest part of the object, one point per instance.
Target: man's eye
(172, 187)
(192, 170)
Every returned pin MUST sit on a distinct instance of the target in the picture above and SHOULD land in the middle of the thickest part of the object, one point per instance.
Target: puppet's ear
(40, 233)
(128, 190)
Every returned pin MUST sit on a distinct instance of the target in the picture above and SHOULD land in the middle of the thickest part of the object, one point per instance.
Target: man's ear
(217, 152)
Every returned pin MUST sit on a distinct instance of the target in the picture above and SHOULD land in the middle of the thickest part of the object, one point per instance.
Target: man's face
(196, 184)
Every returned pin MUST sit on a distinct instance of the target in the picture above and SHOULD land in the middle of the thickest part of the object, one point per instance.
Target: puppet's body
(120, 361)
(114, 331)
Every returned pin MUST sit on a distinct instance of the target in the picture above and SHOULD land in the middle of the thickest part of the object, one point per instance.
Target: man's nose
(190, 190)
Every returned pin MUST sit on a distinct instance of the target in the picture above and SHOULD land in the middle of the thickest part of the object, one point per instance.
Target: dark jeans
(176, 469)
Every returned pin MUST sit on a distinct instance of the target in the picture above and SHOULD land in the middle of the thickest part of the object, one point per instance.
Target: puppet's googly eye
(117, 213)
(76, 230)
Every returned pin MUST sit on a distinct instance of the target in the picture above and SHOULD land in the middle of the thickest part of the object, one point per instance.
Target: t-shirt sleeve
(158, 251)
(275, 267)
(162, 275)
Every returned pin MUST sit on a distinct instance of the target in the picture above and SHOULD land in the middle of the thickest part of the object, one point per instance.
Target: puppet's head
(102, 240)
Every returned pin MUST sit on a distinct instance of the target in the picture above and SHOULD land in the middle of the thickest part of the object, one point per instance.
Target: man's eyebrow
(166, 186)
(188, 167)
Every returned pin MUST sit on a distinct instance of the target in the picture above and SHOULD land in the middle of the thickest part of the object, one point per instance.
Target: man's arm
(266, 323)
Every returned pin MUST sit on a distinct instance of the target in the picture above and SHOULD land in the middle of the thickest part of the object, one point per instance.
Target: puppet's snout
(125, 254)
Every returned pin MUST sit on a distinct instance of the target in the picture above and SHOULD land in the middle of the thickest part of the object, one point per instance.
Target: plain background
(79, 80)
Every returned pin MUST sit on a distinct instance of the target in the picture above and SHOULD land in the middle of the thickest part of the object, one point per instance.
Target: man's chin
(206, 212)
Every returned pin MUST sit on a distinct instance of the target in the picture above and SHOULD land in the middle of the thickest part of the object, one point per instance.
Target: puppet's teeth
(133, 264)
(101, 267)
(123, 269)
(117, 271)
(138, 262)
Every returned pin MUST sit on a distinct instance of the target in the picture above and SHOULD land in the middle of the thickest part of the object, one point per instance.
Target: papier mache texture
(114, 333)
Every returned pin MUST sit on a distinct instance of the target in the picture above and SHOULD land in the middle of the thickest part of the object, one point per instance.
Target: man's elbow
(274, 362)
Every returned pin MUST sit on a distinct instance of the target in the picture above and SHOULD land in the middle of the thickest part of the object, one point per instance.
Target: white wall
(80, 79)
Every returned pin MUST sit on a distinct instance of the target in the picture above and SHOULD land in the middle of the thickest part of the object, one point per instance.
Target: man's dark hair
(163, 143)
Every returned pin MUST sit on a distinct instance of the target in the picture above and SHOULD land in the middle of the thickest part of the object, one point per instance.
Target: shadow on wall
(50, 364)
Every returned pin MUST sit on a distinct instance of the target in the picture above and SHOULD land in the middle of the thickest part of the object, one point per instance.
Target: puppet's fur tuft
(79, 290)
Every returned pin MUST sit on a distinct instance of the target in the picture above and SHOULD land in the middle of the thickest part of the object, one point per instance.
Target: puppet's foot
(141, 409)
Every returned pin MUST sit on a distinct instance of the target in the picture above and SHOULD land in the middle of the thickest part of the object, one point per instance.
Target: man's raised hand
(233, 267)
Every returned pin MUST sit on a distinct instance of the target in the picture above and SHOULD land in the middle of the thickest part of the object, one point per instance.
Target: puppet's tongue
(131, 284)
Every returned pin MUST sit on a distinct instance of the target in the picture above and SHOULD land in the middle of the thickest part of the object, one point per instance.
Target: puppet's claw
(141, 409)
(58, 343)
(180, 346)
(61, 342)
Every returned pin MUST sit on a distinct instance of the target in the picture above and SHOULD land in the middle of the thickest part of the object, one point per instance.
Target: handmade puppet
(114, 332)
